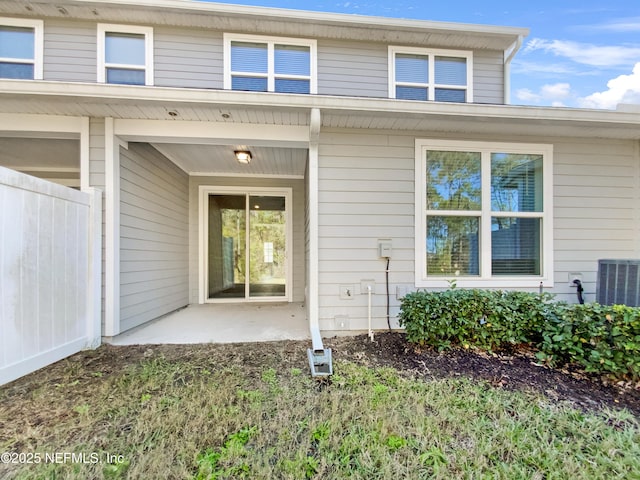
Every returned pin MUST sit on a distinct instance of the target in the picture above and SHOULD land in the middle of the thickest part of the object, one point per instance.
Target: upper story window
(125, 54)
(269, 64)
(21, 47)
(484, 214)
(437, 75)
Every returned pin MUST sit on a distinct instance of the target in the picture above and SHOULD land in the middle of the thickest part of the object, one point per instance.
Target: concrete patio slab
(222, 323)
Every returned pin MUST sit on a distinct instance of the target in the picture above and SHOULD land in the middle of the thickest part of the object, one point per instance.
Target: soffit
(220, 159)
(272, 21)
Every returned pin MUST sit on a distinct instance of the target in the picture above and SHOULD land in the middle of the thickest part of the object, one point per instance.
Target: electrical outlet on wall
(347, 292)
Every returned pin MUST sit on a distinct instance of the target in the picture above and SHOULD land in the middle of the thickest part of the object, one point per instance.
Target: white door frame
(203, 240)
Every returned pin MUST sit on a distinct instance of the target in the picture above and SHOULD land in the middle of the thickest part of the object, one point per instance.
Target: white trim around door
(203, 240)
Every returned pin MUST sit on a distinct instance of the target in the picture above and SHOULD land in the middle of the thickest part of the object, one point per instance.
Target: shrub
(480, 318)
(602, 339)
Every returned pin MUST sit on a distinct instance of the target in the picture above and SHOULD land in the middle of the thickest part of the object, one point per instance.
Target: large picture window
(21, 47)
(484, 213)
(437, 75)
(265, 64)
(125, 54)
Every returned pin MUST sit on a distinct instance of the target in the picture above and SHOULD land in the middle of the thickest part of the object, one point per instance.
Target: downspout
(319, 358)
(507, 68)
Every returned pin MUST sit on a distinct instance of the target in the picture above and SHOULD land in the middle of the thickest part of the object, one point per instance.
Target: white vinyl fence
(50, 272)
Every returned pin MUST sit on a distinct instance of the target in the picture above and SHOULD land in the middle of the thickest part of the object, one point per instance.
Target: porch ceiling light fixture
(243, 156)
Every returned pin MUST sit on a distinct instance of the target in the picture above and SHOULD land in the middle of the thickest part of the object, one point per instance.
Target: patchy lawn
(252, 411)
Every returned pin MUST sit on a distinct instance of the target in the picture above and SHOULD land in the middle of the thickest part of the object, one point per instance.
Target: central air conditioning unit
(618, 282)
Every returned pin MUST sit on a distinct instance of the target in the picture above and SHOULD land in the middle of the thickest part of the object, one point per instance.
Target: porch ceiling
(220, 159)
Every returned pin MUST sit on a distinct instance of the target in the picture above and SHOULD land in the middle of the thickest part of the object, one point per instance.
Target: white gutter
(507, 68)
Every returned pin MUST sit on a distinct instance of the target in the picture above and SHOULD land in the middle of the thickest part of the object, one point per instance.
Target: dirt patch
(517, 370)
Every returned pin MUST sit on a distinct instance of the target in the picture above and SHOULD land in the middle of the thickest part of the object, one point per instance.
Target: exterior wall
(367, 193)
(298, 214)
(488, 77)
(356, 69)
(193, 58)
(70, 51)
(188, 58)
(154, 206)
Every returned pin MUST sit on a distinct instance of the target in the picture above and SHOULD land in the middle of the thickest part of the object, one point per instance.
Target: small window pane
(451, 71)
(515, 246)
(412, 68)
(251, 84)
(124, 76)
(452, 246)
(453, 180)
(249, 57)
(450, 95)
(292, 86)
(17, 42)
(292, 60)
(124, 49)
(16, 70)
(412, 93)
(516, 182)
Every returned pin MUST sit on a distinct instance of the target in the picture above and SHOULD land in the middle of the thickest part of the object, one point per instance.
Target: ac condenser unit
(618, 282)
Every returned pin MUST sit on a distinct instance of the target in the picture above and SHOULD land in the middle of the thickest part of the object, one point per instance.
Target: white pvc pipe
(369, 312)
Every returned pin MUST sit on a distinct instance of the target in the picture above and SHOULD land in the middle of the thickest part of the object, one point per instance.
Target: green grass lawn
(196, 416)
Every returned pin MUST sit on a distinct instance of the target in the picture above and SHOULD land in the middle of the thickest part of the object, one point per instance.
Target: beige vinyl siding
(358, 69)
(488, 76)
(188, 58)
(154, 208)
(70, 51)
(298, 215)
(366, 193)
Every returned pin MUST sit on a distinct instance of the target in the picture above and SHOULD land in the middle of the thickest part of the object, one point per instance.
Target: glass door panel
(227, 246)
(267, 246)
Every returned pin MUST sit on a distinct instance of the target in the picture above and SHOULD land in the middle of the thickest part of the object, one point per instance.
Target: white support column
(112, 231)
(84, 153)
(94, 288)
(314, 140)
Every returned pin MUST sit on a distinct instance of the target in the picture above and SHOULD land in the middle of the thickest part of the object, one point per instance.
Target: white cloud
(622, 89)
(585, 53)
(551, 94)
(623, 25)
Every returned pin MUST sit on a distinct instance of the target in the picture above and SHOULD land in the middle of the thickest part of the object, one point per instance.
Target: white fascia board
(327, 103)
(208, 132)
(348, 20)
(22, 122)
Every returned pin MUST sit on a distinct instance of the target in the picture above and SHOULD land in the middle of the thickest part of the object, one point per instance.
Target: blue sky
(583, 53)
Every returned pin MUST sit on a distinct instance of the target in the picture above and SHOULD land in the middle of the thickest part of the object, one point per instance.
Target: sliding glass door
(246, 245)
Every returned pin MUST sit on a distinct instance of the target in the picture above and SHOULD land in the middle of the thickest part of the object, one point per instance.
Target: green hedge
(603, 339)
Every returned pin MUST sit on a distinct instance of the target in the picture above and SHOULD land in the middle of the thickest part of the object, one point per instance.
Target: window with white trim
(484, 214)
(21, 48)
(269, 64)
(125, 54)
(436, 75)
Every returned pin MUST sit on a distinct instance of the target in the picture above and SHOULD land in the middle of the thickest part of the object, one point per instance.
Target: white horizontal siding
(366, 193)
(188, 58)
(356, 69)
(298, 215)
(153, 236)
(70, 51)
(488, 76)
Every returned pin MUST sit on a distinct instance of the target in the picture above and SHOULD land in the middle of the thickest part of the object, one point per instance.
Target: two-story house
(264, 155)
